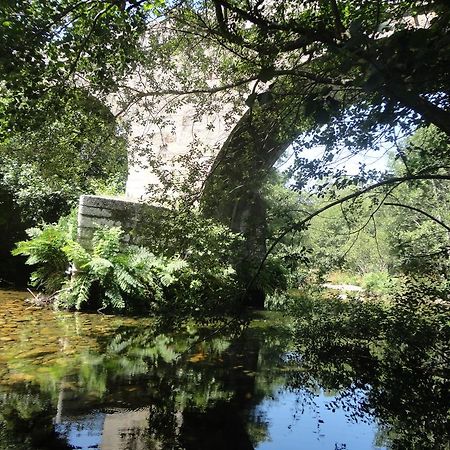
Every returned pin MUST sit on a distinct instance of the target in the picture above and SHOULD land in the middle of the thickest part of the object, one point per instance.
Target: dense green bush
(44, 249)
(114, 276)
(44, 170)
(379, 283)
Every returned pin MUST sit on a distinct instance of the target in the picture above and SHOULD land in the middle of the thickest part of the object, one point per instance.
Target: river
(85, 381)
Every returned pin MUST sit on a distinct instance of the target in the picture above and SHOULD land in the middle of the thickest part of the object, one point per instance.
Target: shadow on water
(90, 381)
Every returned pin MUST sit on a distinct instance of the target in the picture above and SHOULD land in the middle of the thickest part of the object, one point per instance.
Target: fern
(121, 277)
(82, 287)
(100, 268)
(176, 265)
(128, 283)
(106, 242)
(75, 292)
(44, 249)
(113, 297)
(76, 254)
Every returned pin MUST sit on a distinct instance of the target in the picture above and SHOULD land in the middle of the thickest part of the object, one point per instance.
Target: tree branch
(163, 92)
(420, 211)
(74, 65)
(318, 34)
(340, 29)
(302, 223)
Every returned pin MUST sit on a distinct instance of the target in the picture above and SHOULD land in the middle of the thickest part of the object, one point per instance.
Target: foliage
(115, 274)
(287, 300)
(387, 230)
(344, 72)
(47, 169)
(289, 263)
(44, 248)
(380, 283)
(43, 171)
(83, 143)
(346, 237)
(427, 149)
(338, 277)
(211, 250)
(36, 197)
(343, 238)
(117, 277)
(55, 46)
(380, 58)
(419, 211)
(396, 351)
(335, 74)
(329, 73)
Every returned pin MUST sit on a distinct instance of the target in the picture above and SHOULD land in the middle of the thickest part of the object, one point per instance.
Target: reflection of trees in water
(211, 398)
(222, 424)
(197, 394)
(204, 394)
(396, 354)
(26, 421)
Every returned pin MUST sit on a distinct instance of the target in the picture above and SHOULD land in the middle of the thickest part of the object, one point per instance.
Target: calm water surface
(90, 381)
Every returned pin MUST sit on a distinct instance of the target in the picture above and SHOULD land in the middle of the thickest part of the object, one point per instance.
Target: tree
(44, 170)
(403, 228)
(325, 56)
(50, 49)
(330, 73)
(421, 239)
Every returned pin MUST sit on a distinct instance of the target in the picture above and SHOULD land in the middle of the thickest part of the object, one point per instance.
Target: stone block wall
(98, 211)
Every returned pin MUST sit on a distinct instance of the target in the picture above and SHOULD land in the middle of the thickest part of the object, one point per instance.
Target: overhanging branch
(163, 92)
(302, 223)
(420, 211)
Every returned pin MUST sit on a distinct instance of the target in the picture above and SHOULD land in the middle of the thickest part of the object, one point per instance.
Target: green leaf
(154, 5)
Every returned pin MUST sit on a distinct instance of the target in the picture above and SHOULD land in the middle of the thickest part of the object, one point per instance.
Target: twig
(34, 296)
(298, 225)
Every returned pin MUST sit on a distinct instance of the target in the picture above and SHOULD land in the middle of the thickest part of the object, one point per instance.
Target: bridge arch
(239, 154)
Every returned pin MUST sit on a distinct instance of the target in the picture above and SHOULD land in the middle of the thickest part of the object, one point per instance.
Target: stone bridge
(237, 158)
(236, 155)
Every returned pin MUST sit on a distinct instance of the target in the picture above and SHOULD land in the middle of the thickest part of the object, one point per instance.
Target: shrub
(44, 249)
(117, 277)
(113, 277)
(379, 283)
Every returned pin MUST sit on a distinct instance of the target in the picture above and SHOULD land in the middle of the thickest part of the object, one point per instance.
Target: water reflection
(88, 381)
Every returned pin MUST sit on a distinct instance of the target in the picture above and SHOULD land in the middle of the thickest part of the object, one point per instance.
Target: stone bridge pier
(239, 157)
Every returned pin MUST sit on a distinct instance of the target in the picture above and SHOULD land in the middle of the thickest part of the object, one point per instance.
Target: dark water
(90, 381)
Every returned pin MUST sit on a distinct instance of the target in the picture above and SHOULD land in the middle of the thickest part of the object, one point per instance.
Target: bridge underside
(232, 191)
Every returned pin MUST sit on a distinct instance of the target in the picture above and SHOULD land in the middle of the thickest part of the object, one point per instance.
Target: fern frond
(99, 267)
(75, 292)
(113, 297)
(167, 279)
(106, 242)
(76, 254)
(175, 265)
(127, 282)
(83, 285)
